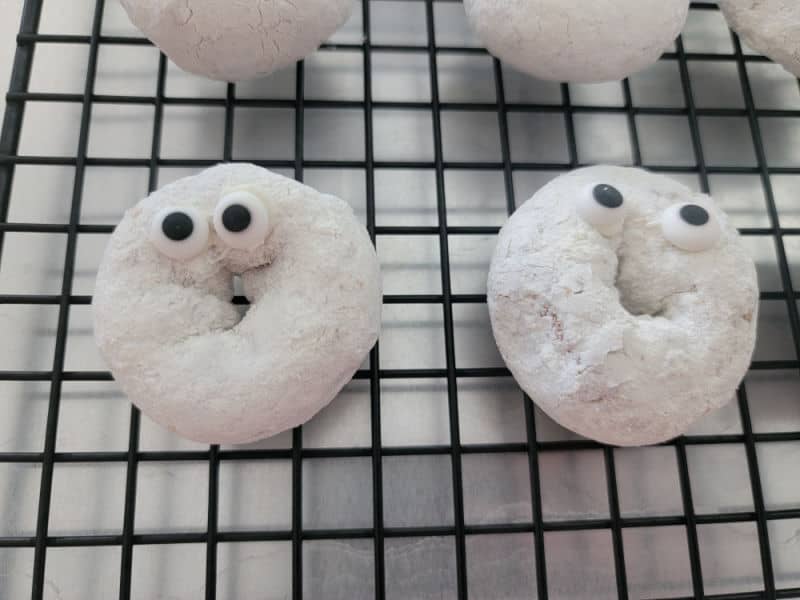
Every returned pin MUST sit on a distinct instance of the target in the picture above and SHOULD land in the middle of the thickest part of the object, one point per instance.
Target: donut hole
(647, 274)
(239, 299)
(636, 305)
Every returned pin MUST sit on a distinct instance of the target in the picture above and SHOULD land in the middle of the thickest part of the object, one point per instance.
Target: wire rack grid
(520, 509)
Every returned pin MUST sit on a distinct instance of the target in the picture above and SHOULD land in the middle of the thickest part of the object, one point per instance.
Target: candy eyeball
(690, 227)
(179, 233)
(241, 220)
(603, 207)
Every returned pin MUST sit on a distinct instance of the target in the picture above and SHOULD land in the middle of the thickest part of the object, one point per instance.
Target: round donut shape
(233, 41)
(178, 347)
(624, 334)
(578, 40)
(771, 27)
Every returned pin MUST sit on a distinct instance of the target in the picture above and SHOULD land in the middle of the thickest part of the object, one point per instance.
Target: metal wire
(18, 96)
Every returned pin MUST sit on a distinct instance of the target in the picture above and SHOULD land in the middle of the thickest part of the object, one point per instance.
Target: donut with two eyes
(179, 348)
(623, 303)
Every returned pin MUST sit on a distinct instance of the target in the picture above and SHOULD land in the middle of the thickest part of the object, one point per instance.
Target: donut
(179, 348)
(576, 40)
(623, 303)
(771, 27)
(233, 41)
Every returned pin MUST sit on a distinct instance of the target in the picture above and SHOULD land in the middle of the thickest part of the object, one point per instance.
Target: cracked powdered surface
(233, 41)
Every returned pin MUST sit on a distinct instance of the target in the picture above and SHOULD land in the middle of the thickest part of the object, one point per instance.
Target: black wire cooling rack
(769, 583)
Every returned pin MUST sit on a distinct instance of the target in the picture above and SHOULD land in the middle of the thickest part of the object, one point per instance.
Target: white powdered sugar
(771, 27)
(622, 336)
(578, 40)
(180, 349)
(232, 41)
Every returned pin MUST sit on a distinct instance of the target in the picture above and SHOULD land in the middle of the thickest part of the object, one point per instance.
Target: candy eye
(690, 227)
(179, 233)
(603, 207)
(242, 220)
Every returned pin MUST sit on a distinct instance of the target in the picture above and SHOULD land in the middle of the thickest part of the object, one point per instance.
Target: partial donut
(623, 303)
(232, 41)
(578, 40)
(771, 27)
(179, 348)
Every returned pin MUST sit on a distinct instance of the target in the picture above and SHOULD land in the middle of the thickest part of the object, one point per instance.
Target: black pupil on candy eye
(607, 195)
(694, 214)
(236, 218)
(177, 226)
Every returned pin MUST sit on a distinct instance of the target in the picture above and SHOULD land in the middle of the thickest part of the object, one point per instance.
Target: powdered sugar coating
(625, 338)
(232, 41)
(181, 351)
(771, 27)
(577, 40)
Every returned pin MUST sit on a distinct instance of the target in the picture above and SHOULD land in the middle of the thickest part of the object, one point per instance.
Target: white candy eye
(603, 207)
(690, 227)
(242, 220)
(179, 233)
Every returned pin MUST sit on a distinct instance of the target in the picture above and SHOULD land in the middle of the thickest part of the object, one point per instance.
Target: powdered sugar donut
(771, 27)
(178, 347)
(231, 41)
(623, 303)
(576, 40)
